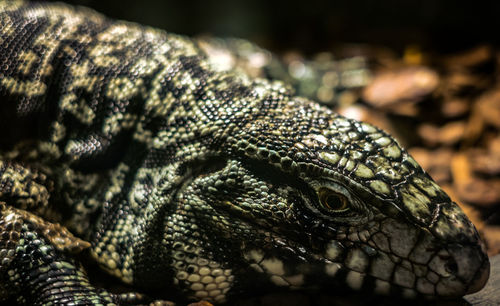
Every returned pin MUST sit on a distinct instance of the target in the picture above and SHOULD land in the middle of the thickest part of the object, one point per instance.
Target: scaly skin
(191, 183)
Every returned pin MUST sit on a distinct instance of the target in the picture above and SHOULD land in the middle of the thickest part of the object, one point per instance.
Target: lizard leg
(36, 270)
(37, 262)
(37, 266)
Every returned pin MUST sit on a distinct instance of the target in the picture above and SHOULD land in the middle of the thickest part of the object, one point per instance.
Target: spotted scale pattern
(128, 146)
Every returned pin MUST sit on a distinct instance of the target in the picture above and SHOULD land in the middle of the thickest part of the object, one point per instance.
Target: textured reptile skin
(126, 145)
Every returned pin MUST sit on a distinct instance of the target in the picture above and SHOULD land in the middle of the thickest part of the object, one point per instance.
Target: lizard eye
(333, 201)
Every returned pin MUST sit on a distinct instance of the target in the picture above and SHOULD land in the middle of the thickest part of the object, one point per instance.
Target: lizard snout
(464, 269)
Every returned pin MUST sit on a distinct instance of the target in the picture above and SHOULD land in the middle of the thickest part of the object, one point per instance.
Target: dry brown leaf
(488, 107)
(455, 107)
(491, 234)
(405, 84)
(484, 162)
(485, 193)
(474, 128)
(448, 134)
(472, 189)
(470, 58)
(494, 146)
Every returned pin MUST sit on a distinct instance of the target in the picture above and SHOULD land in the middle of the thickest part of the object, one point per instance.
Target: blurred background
(427, 71)
(313, 25)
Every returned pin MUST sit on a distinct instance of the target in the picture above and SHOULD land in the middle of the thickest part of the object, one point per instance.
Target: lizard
(125, 145)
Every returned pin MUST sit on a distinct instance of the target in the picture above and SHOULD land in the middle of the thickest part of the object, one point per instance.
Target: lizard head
(300, 198)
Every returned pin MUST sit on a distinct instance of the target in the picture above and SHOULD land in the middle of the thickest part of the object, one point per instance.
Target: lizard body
(125, 143)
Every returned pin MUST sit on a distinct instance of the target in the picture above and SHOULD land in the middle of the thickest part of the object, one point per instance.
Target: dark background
(312, 26)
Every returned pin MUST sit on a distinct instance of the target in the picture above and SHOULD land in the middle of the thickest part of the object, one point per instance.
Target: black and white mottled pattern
(184, 181)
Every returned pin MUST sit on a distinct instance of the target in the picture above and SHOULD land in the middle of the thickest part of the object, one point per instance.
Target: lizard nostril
(451, 266)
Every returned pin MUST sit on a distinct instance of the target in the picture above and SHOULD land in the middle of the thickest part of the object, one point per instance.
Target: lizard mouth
(452, 270)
